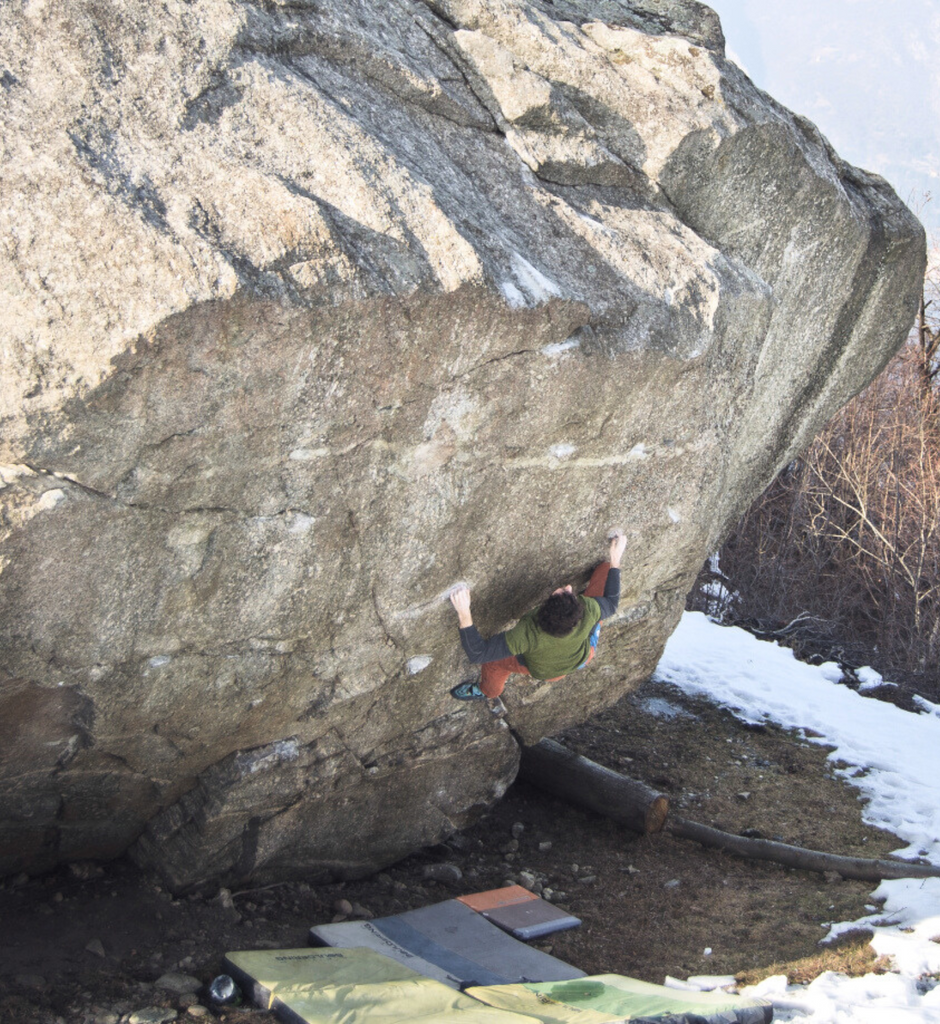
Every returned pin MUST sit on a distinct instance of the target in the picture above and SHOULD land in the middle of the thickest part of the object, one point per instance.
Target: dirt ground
(87, 950)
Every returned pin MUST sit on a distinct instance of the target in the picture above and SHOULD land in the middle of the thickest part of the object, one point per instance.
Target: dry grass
(851, 954)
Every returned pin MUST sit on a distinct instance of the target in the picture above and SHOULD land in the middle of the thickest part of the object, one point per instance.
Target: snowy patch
(926, 705)
(50, 499)
(900, 754)
(831, 671)
(562, 451)
(263, 758)
(512, 295)
(638, 452)
(417, 664)
(869, 679)
(658, 707)
(762, 682)
(299, 523)
(559, 348)
(539, 287)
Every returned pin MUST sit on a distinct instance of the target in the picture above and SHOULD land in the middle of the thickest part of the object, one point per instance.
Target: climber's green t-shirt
(548, 657)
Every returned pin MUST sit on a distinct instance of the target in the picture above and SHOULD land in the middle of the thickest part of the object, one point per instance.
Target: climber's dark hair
(560, 614)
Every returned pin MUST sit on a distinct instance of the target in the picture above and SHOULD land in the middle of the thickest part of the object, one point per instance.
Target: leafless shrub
(841, 555)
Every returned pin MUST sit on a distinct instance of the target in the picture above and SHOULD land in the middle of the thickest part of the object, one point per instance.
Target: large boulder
(312, 309)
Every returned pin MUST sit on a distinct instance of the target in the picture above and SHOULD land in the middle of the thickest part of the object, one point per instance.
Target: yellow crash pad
(354, 986)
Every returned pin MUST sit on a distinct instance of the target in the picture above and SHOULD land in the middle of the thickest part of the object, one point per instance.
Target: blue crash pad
(460, 943)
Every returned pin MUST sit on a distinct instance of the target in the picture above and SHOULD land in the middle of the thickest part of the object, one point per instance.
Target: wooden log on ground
(797, 857)
(568, 775)
(561, 772)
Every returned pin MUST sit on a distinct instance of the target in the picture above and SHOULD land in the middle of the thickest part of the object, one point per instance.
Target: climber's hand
(618, 544)
(460, 599)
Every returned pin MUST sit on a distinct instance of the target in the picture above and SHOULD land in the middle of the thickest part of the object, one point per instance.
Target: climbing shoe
(467, 691)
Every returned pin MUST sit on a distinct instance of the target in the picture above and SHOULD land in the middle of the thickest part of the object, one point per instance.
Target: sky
(891, 756)
(866, 72)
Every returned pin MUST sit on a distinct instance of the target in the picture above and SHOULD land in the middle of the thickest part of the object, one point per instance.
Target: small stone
(672, 884)
(107, 1018)
(574, 869)
(832, 876)
(510, 847)
(96, 947)
(224, 896)
(186, 1000)
(361, 912)
(545, 846)
(178, 984)
(197, 1010)
(343, 906)
(450, 874)
(517, 829)
(339, 918)
(744, 796)
(385, 880)
(57, 897)
(587, 879)
(152, 1015)
(527, 880)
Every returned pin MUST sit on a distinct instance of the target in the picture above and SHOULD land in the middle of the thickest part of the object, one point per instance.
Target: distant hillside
(864, 71)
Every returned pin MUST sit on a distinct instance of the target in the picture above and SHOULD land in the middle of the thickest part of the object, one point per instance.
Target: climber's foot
(495, 706)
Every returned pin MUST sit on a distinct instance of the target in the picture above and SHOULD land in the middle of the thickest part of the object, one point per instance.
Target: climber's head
(561, 613)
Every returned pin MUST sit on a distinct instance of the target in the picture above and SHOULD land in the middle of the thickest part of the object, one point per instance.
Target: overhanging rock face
(311, 310)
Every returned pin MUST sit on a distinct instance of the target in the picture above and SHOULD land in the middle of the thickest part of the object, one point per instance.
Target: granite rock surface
(312, 309)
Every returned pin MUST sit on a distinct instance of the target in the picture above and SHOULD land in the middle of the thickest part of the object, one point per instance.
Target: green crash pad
(612, 999)
(354, 986)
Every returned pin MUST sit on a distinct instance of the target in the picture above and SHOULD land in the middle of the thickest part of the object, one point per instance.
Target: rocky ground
(96, 944)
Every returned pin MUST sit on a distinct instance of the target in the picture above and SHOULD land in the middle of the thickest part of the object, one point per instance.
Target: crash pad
(507, 896)
(612, 998)
(355, 986)
(367, 935)
(469, 949)
(531, 920)
(520, 912)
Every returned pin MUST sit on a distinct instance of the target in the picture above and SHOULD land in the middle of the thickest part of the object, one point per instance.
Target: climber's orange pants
(495, 673)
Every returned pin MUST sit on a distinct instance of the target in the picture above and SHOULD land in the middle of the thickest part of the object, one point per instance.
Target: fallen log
(797, 856)
(561, 772)
(568, 775)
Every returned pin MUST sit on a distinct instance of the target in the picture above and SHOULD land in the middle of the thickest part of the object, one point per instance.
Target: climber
(548, 642)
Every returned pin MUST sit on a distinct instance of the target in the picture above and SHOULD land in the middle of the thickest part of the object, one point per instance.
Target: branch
(797, 856)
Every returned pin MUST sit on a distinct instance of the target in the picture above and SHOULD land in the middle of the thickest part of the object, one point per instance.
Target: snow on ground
(893, 758)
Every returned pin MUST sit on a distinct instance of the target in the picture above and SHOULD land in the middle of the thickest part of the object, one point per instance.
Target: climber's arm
(476, 648)
(611, 598)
